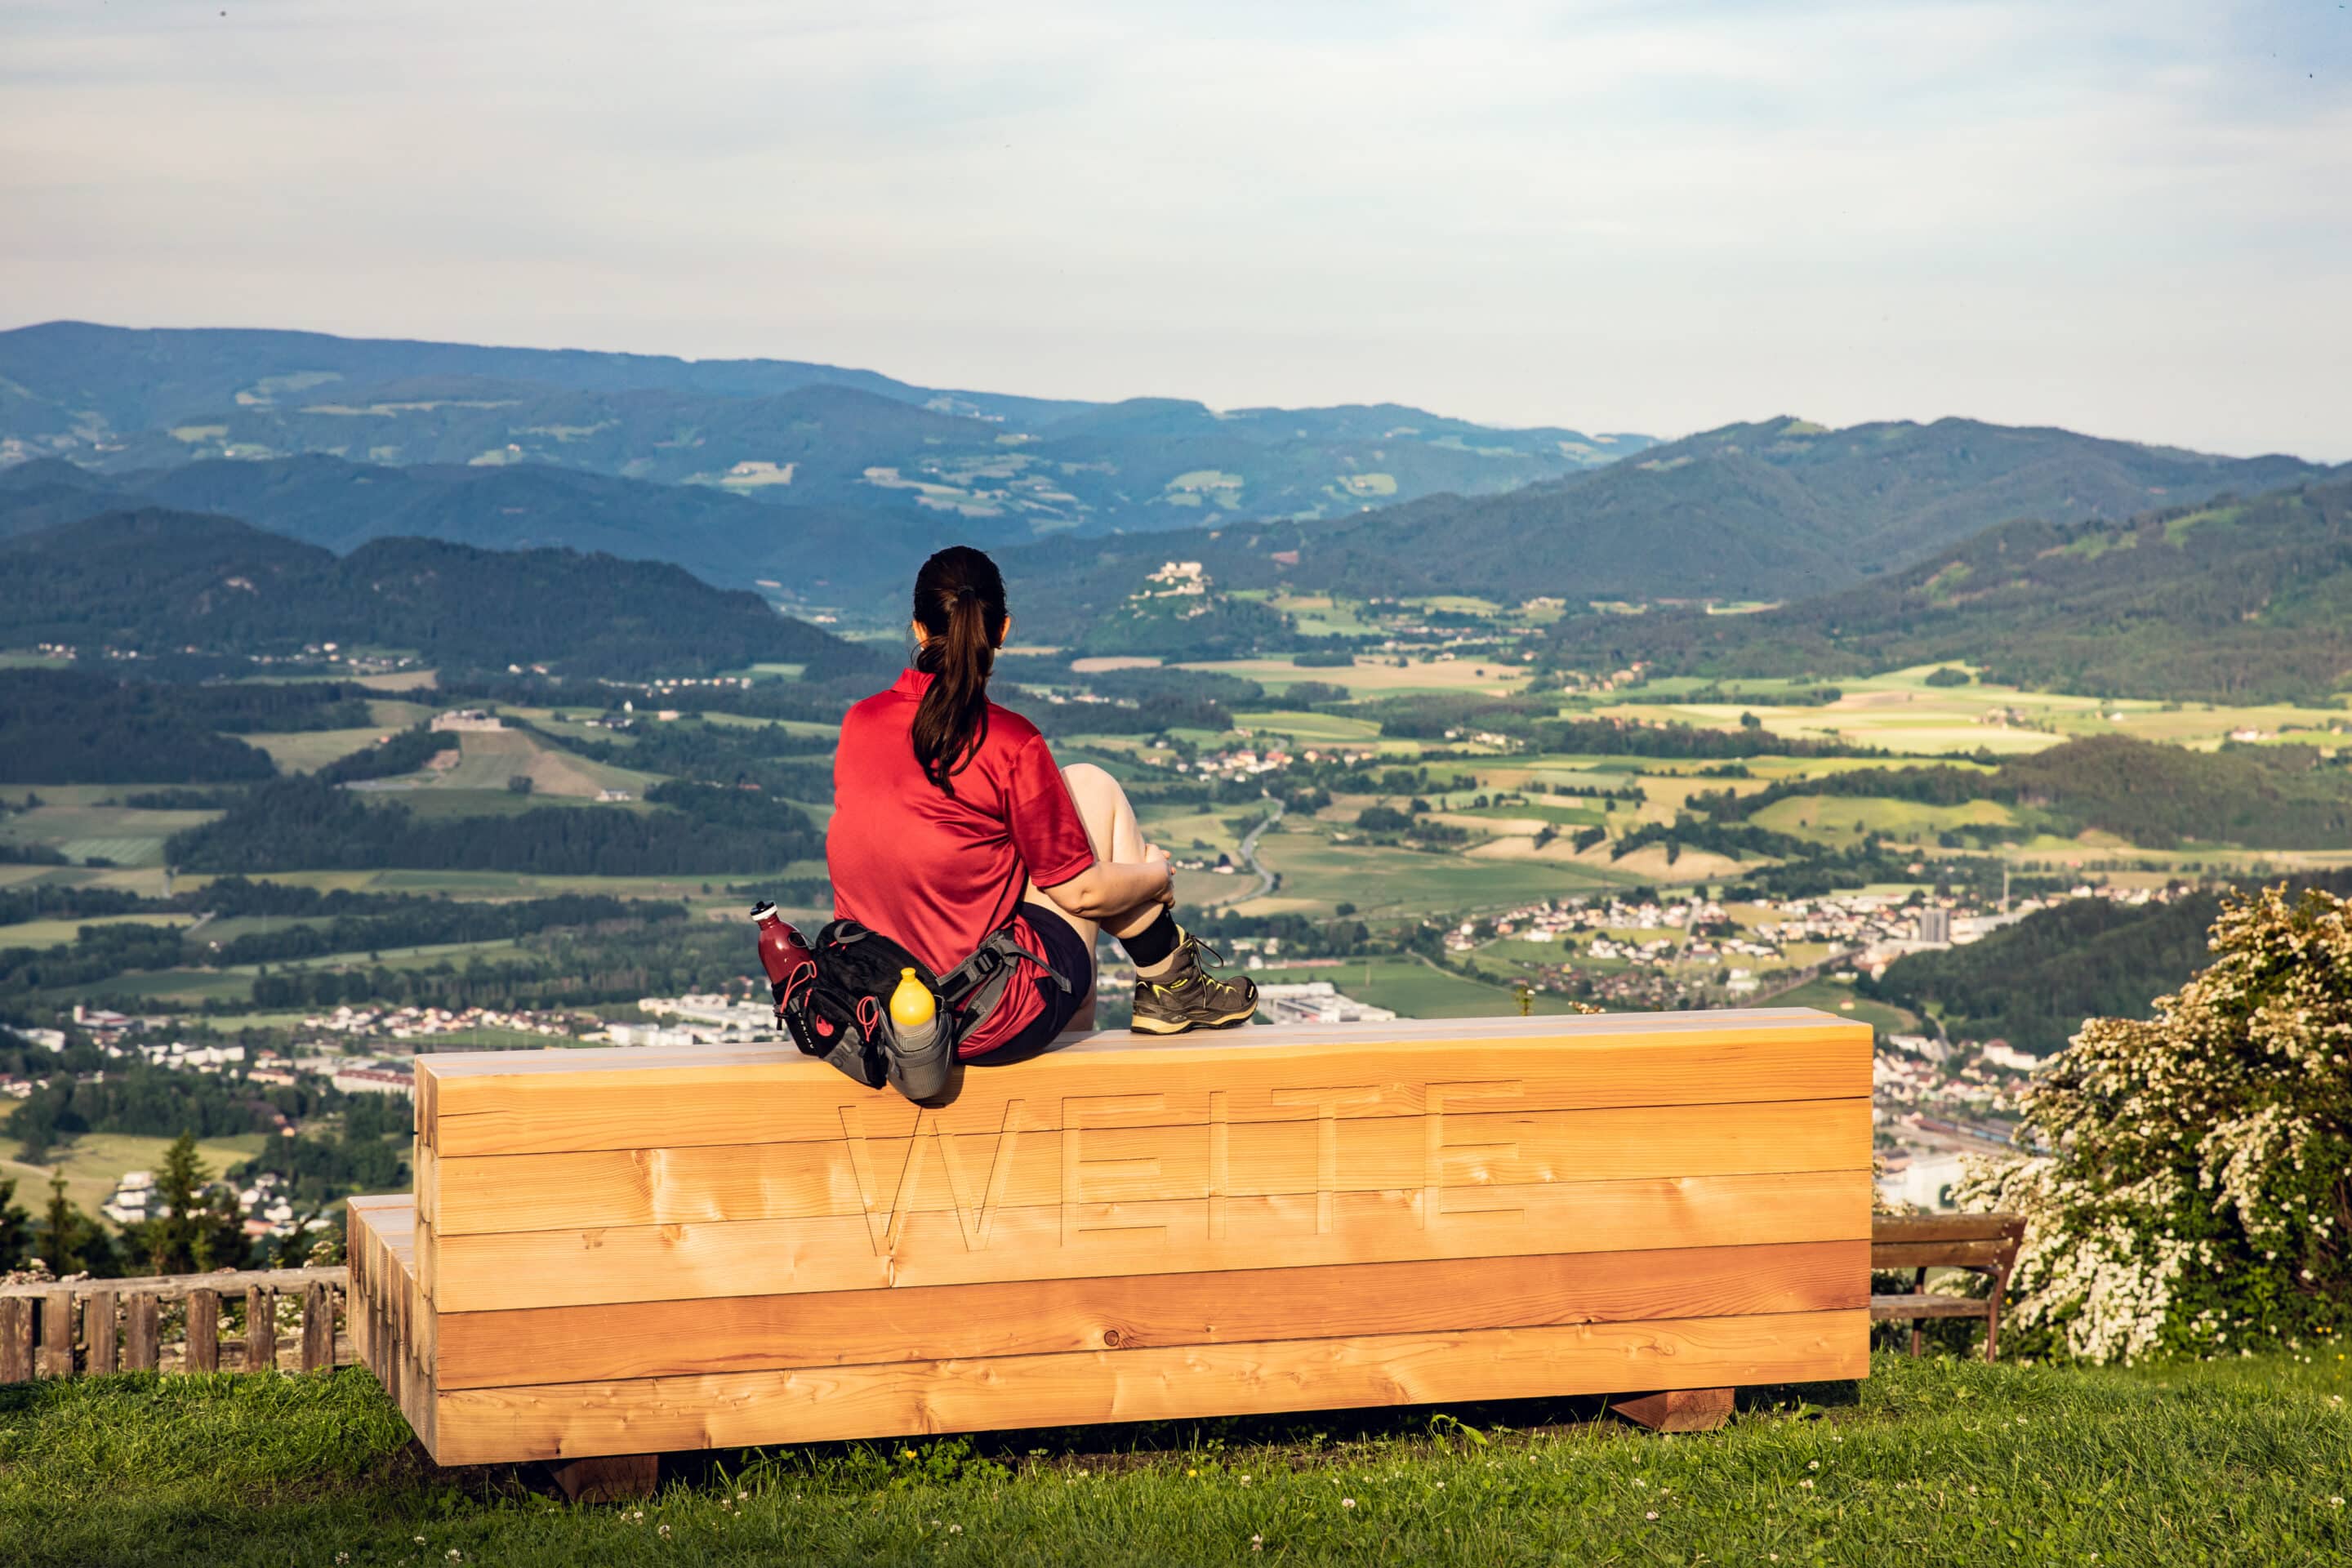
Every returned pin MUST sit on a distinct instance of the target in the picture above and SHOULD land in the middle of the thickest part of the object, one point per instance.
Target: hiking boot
(1189, 997)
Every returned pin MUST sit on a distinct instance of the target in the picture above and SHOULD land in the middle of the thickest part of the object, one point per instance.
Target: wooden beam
(318, 1330)
(676, 1262)
(1452, 1149)
(56, 1332)
(971, 1323)
(1900, 1308)
(565, 1100)
(260, 1330)
(226, 1281)
(1941, 1254)
(612, 1477)
(16, 1339)
(1943, 1227)
(204, 1330)
(562, 1421)
(142, 1340)
(1677, 1409)
(102, 1351)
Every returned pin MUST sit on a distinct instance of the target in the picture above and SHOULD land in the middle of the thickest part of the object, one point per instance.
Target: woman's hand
(1155, 856)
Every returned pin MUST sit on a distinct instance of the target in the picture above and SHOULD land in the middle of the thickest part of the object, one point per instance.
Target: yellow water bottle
(913, 1009)
(917, 1057)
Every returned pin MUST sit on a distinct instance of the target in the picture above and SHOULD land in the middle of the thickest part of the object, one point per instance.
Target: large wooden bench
(639, 1251)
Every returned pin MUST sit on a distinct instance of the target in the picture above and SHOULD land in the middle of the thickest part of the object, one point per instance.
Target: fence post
(318, 1329)
(15, 1340)
(204, 1330)
(139, 1349)
(98, 1332)
(260, 1331)
(56, 1334)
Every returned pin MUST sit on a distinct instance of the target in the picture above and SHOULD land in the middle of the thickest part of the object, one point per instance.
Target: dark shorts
(1060, 945)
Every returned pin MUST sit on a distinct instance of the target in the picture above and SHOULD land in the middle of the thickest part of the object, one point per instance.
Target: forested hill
(2154, 796)
(165, 581)
(2034, 983)
(824, 555)
(776, 431)
(2241, 601)
(1773, 511)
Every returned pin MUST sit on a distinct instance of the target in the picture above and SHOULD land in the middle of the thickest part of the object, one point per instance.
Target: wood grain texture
(57, 1356)
(318, 1330)
(677, 1262)
(101, 1349)
(1941, 1254)
(260, 1330)
(560, 1421)
(569, 1100)
(1677, 1410)
(399, 1356)
(969, 1322)
(16, 1339)
(935, 1170)
(1902, 1309)
(143, 1346)
(1936, 1227)
(204, 1330)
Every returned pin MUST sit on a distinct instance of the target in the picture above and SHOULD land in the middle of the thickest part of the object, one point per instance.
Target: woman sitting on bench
(951, 820)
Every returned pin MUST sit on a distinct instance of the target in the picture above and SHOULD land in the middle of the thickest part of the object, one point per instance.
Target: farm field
(1385, 677)
(48, 933)
(1318, 875)
(1900, 712)
(1413, 989)
(126, 836)
(94, 1162)
(1939, 1461)
(308, 750)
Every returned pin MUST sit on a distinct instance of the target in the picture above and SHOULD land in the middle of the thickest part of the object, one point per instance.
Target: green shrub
(2197, 1187)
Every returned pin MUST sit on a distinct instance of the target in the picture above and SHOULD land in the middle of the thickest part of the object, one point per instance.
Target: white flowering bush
(2195, 1185)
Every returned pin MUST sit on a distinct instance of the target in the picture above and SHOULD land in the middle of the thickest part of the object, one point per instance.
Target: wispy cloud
(2124, 217)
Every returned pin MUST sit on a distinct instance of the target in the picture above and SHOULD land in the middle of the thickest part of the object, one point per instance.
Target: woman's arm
(1109, 889)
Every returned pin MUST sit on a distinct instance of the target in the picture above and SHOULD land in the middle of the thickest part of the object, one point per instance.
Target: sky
(2133, 219)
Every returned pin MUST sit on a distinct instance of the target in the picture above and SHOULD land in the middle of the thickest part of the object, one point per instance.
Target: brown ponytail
(960, 604)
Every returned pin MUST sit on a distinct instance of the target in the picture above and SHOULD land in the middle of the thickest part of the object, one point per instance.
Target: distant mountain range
(173, 585)
(120, 400)
(2241, 601)
(1765, 511)
(825, 554)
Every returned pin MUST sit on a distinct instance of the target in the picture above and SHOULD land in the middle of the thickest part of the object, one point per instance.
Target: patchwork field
(1384, 677)
(1901, 712)
(94, 1162)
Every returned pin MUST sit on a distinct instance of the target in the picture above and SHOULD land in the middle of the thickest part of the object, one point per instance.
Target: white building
(463, 719)
(1316, 1002)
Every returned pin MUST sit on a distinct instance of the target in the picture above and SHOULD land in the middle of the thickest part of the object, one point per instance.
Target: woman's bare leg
(1117, 836)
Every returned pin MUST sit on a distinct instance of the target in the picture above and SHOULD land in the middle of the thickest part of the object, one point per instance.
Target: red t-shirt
(938, 872)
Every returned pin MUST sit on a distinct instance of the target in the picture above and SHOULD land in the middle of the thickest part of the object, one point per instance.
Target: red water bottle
(782, 951)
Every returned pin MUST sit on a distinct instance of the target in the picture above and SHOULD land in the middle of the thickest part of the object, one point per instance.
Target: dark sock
(1154, 943)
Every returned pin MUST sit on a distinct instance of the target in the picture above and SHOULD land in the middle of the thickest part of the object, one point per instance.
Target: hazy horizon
(2126, 220)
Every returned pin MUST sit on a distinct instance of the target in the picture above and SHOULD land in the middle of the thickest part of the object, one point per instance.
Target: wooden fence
(228, 1321)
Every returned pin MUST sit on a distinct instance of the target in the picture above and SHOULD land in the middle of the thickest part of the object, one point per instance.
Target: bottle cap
(763, 911)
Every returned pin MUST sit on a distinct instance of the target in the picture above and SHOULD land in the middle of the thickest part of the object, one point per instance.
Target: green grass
(1412, 989)
(1837, 997)
(1939, 1462)
(1318, 874)
(94, 1162)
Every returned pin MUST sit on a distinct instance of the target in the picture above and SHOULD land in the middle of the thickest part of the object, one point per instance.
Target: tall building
(1936, 925)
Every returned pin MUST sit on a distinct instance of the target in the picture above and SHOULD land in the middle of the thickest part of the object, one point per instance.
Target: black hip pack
(838, 1007)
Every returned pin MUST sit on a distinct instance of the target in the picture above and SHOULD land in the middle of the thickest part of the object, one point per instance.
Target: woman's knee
(1086, 779)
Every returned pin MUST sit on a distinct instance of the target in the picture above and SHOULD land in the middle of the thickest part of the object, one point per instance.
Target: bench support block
(1677, 1410)
(609, 1478)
